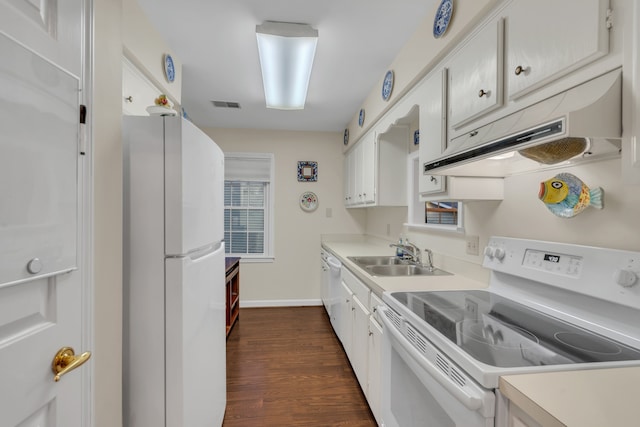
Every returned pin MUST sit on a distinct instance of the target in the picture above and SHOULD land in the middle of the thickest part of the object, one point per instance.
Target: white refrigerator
(174, 363)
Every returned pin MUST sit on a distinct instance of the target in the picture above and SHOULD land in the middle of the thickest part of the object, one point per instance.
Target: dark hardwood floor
(286, 367)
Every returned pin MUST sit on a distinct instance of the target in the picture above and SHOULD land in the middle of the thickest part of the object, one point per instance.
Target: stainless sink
(365, 261)
(394, 266)
(404, 270)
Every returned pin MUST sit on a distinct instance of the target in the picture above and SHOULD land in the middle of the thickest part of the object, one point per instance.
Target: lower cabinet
(374, 390)
(360, 342)
(361, 336)
(519, 418)
(343, 327)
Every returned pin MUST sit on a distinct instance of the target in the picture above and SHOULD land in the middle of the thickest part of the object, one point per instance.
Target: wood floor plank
(286, 367)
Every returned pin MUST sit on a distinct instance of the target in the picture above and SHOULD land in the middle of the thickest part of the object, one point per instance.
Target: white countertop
(589, 398)
(586, 398)
(346, 246)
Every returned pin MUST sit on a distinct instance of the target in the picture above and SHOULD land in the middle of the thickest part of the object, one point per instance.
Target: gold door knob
(66, 360)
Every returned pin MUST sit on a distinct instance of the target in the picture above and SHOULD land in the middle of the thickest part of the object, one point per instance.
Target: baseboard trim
(280, 303)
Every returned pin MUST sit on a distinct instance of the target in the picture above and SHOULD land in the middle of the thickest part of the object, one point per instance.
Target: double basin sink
(394, 266)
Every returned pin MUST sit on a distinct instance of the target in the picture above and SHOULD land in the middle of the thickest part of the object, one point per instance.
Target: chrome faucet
(410, 251)
(429, 263)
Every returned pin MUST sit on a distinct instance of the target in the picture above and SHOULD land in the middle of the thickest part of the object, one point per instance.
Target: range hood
(581, 124)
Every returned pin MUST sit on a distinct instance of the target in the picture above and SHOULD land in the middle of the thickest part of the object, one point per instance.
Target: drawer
(359, 289)
(374, 301)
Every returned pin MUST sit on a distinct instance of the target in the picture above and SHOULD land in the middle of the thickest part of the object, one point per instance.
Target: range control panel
(604, 273)
(553, 262)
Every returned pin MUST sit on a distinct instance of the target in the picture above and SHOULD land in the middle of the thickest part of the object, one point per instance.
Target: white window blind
(248, 197)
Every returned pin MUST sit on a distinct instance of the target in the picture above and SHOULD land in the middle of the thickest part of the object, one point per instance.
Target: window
(441, 213)
(248, 212)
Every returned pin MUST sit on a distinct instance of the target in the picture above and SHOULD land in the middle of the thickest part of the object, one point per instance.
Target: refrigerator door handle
(205, 252)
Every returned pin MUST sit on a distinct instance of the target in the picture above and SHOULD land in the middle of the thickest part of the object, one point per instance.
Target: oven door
(420, 387)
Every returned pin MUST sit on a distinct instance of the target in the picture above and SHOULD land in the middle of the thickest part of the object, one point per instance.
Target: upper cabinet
(375, 169)
(360, 172)
(475, 76)
(542, 47)
(433, 128)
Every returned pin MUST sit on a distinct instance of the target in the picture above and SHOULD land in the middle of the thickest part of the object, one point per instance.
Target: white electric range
(549, 307)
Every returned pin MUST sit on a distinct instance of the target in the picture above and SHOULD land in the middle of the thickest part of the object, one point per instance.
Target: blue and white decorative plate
(346, 136)
(387, 85)
(169, 68)
(361, 117)
(442, 18)
(416, 137)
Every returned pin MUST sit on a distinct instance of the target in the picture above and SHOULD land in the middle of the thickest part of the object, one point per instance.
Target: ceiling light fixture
(286, 55)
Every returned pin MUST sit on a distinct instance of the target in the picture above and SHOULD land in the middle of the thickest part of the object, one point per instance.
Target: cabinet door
(344, 318)
(368, 171)
(374, 390)
(360, 341)
(475, 76)
(348, 178)
(535, 55)
(433, 129)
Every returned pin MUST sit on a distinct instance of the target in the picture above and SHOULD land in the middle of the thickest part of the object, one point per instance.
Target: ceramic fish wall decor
(565, 195)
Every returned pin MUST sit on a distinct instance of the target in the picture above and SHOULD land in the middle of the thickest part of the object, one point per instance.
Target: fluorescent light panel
(286, 56)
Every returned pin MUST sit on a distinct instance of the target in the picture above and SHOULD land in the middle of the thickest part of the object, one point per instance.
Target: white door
(42, 293)
(195, 365)
(194, 214)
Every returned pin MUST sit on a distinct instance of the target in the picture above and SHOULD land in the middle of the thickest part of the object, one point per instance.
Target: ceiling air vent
(225, 104)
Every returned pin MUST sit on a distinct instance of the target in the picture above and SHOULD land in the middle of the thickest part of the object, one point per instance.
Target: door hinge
(83, 129)
(609, 19)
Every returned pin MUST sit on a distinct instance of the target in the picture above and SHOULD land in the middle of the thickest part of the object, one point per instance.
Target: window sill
(440, 228)
(251, 260)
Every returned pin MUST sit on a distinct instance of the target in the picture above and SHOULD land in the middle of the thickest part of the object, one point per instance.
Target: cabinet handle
(370, 333)
(129, 98)
(473, 133)
(520, 69)
(483, 93)
(434, 179)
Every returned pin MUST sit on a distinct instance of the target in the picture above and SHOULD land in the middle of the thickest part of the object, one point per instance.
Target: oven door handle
(468, 398)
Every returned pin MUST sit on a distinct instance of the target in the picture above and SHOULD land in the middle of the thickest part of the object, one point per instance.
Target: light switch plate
(472, 245)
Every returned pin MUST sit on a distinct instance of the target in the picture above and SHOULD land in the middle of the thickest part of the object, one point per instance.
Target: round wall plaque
(308, 201)
(387, 85)
(169, 68)
(442, 18)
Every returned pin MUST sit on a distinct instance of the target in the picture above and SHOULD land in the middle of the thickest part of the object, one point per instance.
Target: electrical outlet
(473, 245)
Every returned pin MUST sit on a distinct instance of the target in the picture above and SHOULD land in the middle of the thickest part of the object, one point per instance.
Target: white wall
(107, 185)
(294, 275)
(522, 214)
(145, 47)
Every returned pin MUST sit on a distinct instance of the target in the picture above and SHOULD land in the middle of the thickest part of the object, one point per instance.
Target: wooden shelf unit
(232, 274)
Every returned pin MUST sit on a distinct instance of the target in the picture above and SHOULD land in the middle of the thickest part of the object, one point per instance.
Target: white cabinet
(360, 342)
(359, 173)
(375, 172)
(516, 417)
(475, 75)
(433, 128)
(547, 39)
(374, 389)
(137, 90)
(344, 324)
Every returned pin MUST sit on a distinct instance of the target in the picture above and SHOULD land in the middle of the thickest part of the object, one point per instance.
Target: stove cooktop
(503, 333)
